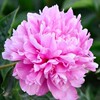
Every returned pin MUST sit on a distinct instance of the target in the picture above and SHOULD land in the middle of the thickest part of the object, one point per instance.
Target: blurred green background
(12, 12)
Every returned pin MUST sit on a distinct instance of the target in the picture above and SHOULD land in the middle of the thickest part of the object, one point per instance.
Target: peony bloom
(53, 53)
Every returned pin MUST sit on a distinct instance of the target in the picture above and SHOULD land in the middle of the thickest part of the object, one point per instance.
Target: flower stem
(7, 65)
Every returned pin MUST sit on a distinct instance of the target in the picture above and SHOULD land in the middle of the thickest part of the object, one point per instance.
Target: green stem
(7, 65)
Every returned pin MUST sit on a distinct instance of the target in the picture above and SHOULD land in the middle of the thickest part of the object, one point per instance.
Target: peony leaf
(87, 18)
(96, 50)
(15, 93)
(19, 18)
(2, 5)
(6, 23)
(41, 98)
(1, 97)
(97, 5)
(89, 93)
(81, 95)
(7, 84)
(98, 71)
(76, 3)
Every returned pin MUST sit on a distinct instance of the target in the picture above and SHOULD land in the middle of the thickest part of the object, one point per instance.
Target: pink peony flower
(53, 53)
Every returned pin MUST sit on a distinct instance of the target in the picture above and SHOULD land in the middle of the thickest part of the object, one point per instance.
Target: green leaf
(68, 3)
(98, 71)
(96, 50)
(4, 72)
(19, 18)
(1, 2)
(16, 92)
(6, 25)
(97, 97)
(7, 84)
(97, 5)
(41, 98)
(7, 22)
(88, 18)
(13, 20)
(77, 4)
(2, 5)
(96, 45)
(2, 97)
(16, 95)
(89, 93)
(81, 95)
(49, 95)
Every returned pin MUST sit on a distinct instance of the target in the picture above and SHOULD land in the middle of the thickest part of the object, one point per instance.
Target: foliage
(10, 17)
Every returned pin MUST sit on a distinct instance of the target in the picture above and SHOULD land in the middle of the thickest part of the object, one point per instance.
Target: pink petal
(30, 89)
(22, 70)
(92, 66)
(43, 89)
